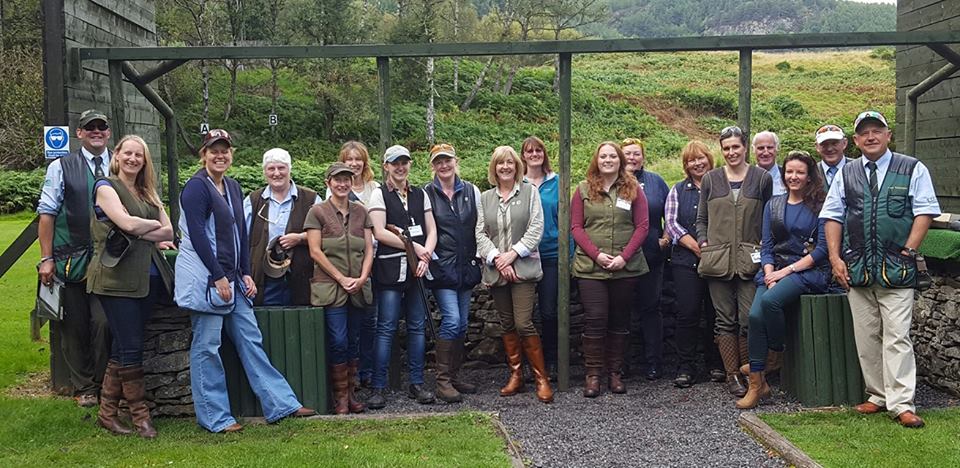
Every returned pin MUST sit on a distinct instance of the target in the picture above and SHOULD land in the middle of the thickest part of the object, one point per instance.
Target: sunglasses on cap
(829, 128)
(731, 131)
(101, 126)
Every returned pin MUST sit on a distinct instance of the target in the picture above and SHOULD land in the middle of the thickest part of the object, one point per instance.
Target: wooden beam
(19, 246)
(118, 121)
(772, 439)
(746, 90)
(563, 282)
(669, 44)
(161, 69)
(54, 64)
(383, 101)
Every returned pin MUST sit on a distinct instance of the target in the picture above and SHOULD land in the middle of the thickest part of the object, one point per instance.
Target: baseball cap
(869, 115)
(215, 135)
(90, 115)
(829, 132)
(277, 260)
(115, 248)
(442, 149)
(338, 168)
(395, 152)
(276, 155)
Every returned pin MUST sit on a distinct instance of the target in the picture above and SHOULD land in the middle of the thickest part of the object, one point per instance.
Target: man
(831, 144)
(765, 146)
(880, 206)
(65, 208)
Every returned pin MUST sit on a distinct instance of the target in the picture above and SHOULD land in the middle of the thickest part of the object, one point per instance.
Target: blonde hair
(628, 184)
(502, 153)
(146, 181)
(690, 152)
(355, 147)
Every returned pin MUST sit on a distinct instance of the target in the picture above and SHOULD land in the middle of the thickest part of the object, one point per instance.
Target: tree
(569, 15)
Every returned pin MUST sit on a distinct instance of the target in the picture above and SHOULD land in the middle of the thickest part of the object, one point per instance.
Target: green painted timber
(820, 365)
(563, 284)
(294, 339)
(669, 44)
(746, 91)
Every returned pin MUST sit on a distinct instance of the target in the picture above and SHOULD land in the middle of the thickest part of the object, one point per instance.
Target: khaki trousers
(514, 303)
(881, 327)
(732, 300)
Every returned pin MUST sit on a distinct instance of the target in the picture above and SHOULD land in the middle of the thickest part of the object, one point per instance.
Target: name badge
(623, 204)
(755, 257)
(415, 230)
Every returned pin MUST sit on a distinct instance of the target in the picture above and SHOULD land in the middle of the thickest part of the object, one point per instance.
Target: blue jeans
(368, 337)
(547, 307)
(454, 312)
(127, 316)
(275, 292)
(393, 302)
(207, 379)
(766, 319)
(343, 332)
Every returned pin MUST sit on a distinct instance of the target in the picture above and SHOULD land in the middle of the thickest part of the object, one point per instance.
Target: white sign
(204, 128)
(56, 141)
(273, 120)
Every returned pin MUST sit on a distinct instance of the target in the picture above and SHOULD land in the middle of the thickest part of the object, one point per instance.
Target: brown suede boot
(445, 390)
(340, 383)
(355, 405)
(593, 364)
(758, 390)
(616, 348)
(773, 364)
(730, 355)
(457, 352)
(110, 394)
(134, 392)
(533, 348)
(511, 344)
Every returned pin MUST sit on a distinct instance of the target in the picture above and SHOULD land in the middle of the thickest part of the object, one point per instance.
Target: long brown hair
(813, 193)
(360, 149)
(146, 181)
(532, 141)
(626, 183)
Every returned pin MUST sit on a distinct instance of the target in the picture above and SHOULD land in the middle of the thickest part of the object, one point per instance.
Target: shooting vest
(72, 247)
(301, 265)
(390, 269)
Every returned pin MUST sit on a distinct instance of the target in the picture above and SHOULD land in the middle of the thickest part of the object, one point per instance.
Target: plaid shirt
(674, 229)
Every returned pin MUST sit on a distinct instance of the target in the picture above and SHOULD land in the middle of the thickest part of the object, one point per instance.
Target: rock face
(936, 329)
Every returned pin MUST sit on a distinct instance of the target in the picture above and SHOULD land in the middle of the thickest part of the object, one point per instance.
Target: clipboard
(48, 300)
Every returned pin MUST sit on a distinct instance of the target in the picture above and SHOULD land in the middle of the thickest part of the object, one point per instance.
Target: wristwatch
(793, 269)
(911, 252)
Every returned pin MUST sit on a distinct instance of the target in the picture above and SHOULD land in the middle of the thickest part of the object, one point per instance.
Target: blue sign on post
(56, 141)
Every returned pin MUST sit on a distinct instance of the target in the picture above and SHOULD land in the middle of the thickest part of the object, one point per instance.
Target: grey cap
(115, 248)
(90, 115)
(395, 152)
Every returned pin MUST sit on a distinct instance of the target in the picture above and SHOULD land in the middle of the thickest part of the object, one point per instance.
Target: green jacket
(610, 229)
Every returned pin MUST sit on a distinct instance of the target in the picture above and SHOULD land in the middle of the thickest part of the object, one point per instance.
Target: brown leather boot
(511, 344)
(730, 355)
(533, 348)
(457, 352)
(616, 348)
(110, 394)
(773, 364)
(758, 390)
(355, 405)
(445, 390)
(593, 364)
(341, 384)
(134, 392)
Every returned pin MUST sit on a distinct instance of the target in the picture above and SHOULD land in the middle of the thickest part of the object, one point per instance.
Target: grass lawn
(55, 432)
(848, 439)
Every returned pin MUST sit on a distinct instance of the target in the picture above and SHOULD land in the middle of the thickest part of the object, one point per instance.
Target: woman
(355, 155)
(693, 304)
(729, 214)
(794, 258)
(403, 207)
(213, 281)
(455, 271)
(508, 232)
(608, 218)
(274, 215)
(649, 286)
(128, 282)
(340, 237)
(537, 172)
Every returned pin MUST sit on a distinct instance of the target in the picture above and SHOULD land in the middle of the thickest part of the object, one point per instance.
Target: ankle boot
(743, 349)
(511, 344)
(110, 394)
(616, 347)
(445, 390)
(457, 352)
(340, 383)
(773, 364)
(533, 349)
(355, 405)
(593, 364)
(758, 390)
(134, 392)
(730, 355)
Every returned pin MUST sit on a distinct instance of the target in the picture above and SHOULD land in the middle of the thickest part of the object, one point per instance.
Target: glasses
(261, 216)
(96, 126)
(829, 128)
(731, 131)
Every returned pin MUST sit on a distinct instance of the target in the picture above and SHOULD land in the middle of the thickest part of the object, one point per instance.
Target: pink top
(580, 236)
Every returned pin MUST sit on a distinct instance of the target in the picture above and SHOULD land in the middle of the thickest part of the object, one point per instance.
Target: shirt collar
(291, 194)
(457, 184)
(87, 154)
(839, 165)
(882, 163)
(393, 188)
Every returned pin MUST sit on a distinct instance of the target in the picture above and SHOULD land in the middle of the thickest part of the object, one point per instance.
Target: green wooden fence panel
(838, 362)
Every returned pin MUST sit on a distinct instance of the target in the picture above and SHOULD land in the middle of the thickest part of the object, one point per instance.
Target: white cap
(276, 155)
(395, 152)
(829, 132)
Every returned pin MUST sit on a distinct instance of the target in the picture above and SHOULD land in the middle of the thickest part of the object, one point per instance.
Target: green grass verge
(19, 355)
(848, 439)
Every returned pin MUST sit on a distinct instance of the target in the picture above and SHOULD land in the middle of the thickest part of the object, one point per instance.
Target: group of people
(744, 242)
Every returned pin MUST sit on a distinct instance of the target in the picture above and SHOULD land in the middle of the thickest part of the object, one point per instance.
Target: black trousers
(694, 307)
(84, 338)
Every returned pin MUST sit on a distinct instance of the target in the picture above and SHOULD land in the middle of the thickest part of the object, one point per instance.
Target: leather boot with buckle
(445, 390)
(512, 347)
(355, 405)
(773, 364)
(593, 364)
(110, 394)
(730, 354)
(457, 362)
(339, 379)
(757, 391)
(533, 349)
(616, 348)
(134, 392)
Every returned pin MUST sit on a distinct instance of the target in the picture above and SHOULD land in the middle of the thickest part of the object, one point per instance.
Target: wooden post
(118, 120)
(563, 284)
(746, 79)
(383, 99)
(173, 178)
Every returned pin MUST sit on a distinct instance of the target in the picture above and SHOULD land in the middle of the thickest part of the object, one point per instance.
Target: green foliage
(787, 106)
(884, 53)
(783, 66)
(19, 190)
(720, 102)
